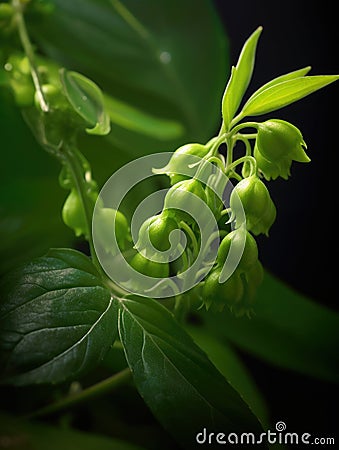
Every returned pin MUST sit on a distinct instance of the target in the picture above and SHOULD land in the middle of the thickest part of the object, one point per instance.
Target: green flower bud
(217, 295)
(236, 238)
(256, 201)
(278, 144)
(150, 268)
(158, 228)
(73, 214)
(251, 280)
(180, 162)
(103, 230)
(179, 196)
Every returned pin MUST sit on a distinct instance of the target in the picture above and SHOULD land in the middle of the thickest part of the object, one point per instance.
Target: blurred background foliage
(163, 66)
(161, 93)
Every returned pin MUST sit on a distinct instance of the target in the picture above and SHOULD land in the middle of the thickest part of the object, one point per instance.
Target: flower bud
(157, 229)
(245, 242)
(109, 222)
(278, 144)
(217, 295)
(251, 281)
(255, 199)
(150, 268)
(178, 167)
(73, 214)
(180, 196)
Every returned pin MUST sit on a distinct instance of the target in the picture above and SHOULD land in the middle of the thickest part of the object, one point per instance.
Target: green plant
(61, 315)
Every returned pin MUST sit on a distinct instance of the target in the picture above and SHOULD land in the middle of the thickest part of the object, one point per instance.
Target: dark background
(303, 239)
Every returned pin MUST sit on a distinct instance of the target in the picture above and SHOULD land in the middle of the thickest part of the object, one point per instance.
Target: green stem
(27, 46)
(249, 159)
(245, 140)
(190, 233)
(76, 169)
(96, 390)
(242, 126)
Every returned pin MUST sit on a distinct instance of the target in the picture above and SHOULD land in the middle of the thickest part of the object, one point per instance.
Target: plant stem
(27, 46)
(96, 390)
(75, 166)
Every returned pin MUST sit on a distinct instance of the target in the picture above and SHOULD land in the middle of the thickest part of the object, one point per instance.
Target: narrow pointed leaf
(288, 76)
(240, 78)
(181, 386)
(285, 93)
(56, 319)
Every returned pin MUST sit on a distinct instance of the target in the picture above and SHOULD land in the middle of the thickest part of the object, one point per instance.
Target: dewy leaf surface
(56, 319)
(174, 376)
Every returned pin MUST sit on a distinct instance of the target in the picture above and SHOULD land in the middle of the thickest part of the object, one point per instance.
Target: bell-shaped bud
(182, 194)
(110, 222)
(243, 242)
(183, 163)
(251, 279)
(156, 230)
(252, 195)
(278, 143)
(73, 214)
(217, 295)
(148, 267)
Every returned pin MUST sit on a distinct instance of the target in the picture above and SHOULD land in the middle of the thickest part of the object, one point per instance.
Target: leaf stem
(96, 390)
(27, 46)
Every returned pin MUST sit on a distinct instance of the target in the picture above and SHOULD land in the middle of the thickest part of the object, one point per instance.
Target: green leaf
(288, 76)
(230, 365)
(87, 100)
(240, 78)
(174, 376)
(285, 93)
(130, 50)
(136, 120)
(288, 330)
(56, 319)
(20, 434)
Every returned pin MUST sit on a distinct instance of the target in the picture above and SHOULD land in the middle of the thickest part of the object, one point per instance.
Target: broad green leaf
(87, 100)
(144, 53)
(230, 365)
(285, 93)
(240, 78)
(56, 319)
(21, 435)
(288, 330)
(181, 386)
(134, 119)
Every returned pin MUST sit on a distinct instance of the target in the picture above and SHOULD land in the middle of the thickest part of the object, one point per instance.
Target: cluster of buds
(250, 212)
